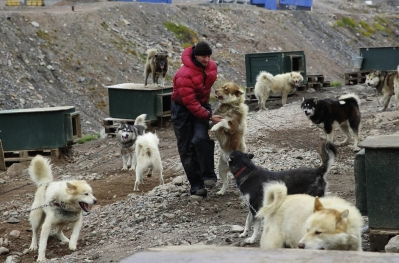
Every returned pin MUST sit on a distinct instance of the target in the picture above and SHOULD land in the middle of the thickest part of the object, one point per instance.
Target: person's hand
(216, 118)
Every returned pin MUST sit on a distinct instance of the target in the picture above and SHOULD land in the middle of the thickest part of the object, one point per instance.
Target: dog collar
(238, 173)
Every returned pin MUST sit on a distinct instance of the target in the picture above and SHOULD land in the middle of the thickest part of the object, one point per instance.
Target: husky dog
(386, 83)
(230, 132)
(250, 179)
(148, 157)
(127, 135)
(344, 111)
(303, 221)
(281, 83)
(157, 64)
(56, 204)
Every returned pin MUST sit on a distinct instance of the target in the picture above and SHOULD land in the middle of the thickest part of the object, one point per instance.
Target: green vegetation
(336, 84)
(365, 29)
(87, 138)
(43, 35)
(184, 34)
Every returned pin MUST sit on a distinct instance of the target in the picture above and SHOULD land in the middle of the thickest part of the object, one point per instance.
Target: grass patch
(346, 22)
(336, 84)
(87, 138)
(185, 35)
(43, 35)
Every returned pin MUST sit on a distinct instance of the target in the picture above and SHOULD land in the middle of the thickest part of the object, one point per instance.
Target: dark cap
(202, 49)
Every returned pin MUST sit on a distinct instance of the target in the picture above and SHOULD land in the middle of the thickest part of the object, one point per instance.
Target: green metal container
(36, 128)
(127, 101)
(274, 63)
(360, 182)
(379, 58)
(381, 177)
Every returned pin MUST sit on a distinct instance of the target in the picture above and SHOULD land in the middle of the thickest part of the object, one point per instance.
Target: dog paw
(32, 248)
(72, 247)
(124, 168)
(243, 234)
(41, 259)
(131, 168)
(249, 240)
(221, 192)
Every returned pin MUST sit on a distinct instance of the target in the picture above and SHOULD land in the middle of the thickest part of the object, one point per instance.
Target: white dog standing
(55, 205)
(281, 83)
(147, 157)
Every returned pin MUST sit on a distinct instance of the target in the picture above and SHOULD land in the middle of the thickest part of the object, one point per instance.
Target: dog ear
(344, 214)
(303, 99)
(317, 205)
(71, 187)
(250, 155)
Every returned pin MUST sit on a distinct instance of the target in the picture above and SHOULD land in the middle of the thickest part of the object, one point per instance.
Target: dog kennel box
(379, 58)
(38, 128)
(129, 100)
(378, 180)
(275, 63)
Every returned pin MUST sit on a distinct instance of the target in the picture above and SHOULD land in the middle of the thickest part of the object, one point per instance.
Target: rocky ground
(124, 222)
(53, 56)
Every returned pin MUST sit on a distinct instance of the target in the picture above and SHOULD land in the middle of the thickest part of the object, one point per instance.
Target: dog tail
(274, 195)
(264, 75)
(151, 53)
(140, 120)
(349, 98)
(328, 153)
(40, 170)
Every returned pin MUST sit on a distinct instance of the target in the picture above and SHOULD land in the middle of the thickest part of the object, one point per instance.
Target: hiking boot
(198, 193)
(210, 183)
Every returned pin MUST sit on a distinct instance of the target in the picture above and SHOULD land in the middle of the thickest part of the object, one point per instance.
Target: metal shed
(129, 100)
(275, 63)
(38, 128)
(379, 58)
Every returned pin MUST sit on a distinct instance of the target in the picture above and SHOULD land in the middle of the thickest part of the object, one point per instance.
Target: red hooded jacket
(189, 87)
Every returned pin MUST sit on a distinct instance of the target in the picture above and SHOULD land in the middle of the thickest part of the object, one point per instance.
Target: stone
(4, 250)
(393, 245)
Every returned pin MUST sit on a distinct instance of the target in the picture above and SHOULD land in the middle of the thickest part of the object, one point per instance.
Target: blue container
(288, 4)
(258, 2)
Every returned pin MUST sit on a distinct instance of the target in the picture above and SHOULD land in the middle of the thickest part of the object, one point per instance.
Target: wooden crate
(35, 2)
(111, 124)
(13, 3)
(357, 77)
(315, 81)
(9, 157)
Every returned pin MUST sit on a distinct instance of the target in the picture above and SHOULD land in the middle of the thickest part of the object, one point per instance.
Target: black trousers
(195, 148)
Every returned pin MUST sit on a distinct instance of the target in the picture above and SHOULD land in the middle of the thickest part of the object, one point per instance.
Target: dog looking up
(230, 132)
(326, 113)
(266, 83)
(386, 83)
(251, 178)
(157, 64)
(56, 204)
(127, 135)
(147, 157)
(303, 221)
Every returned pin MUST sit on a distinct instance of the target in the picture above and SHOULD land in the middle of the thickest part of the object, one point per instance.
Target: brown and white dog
(266, 83)
(386, 83)
(157, 64)
(230, 132)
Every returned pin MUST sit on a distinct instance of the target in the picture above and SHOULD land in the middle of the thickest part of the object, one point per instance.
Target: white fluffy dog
(56, 205)
(303, 221)
(281, 83)
(147, 157)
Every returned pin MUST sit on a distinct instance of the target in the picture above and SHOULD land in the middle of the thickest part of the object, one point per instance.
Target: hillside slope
(52, 56)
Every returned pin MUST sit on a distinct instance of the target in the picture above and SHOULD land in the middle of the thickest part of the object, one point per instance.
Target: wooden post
(2, 161)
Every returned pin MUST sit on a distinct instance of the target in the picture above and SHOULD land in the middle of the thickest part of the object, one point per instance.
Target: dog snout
(94, 201)
(301, 245)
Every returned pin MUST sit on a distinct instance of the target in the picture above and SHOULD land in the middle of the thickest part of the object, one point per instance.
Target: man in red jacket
(191, 113)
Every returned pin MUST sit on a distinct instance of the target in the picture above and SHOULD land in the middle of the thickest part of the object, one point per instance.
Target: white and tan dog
(266, 83)
(303, 221)
(147, 157)
(387, 84)
(56, 204)
(230, 132)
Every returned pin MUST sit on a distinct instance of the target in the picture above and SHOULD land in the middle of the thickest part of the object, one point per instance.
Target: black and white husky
(327, 112)
(127, 135)
(251, 178)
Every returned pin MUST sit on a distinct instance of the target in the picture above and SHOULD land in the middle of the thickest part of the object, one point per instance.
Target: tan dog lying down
(307, 222)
